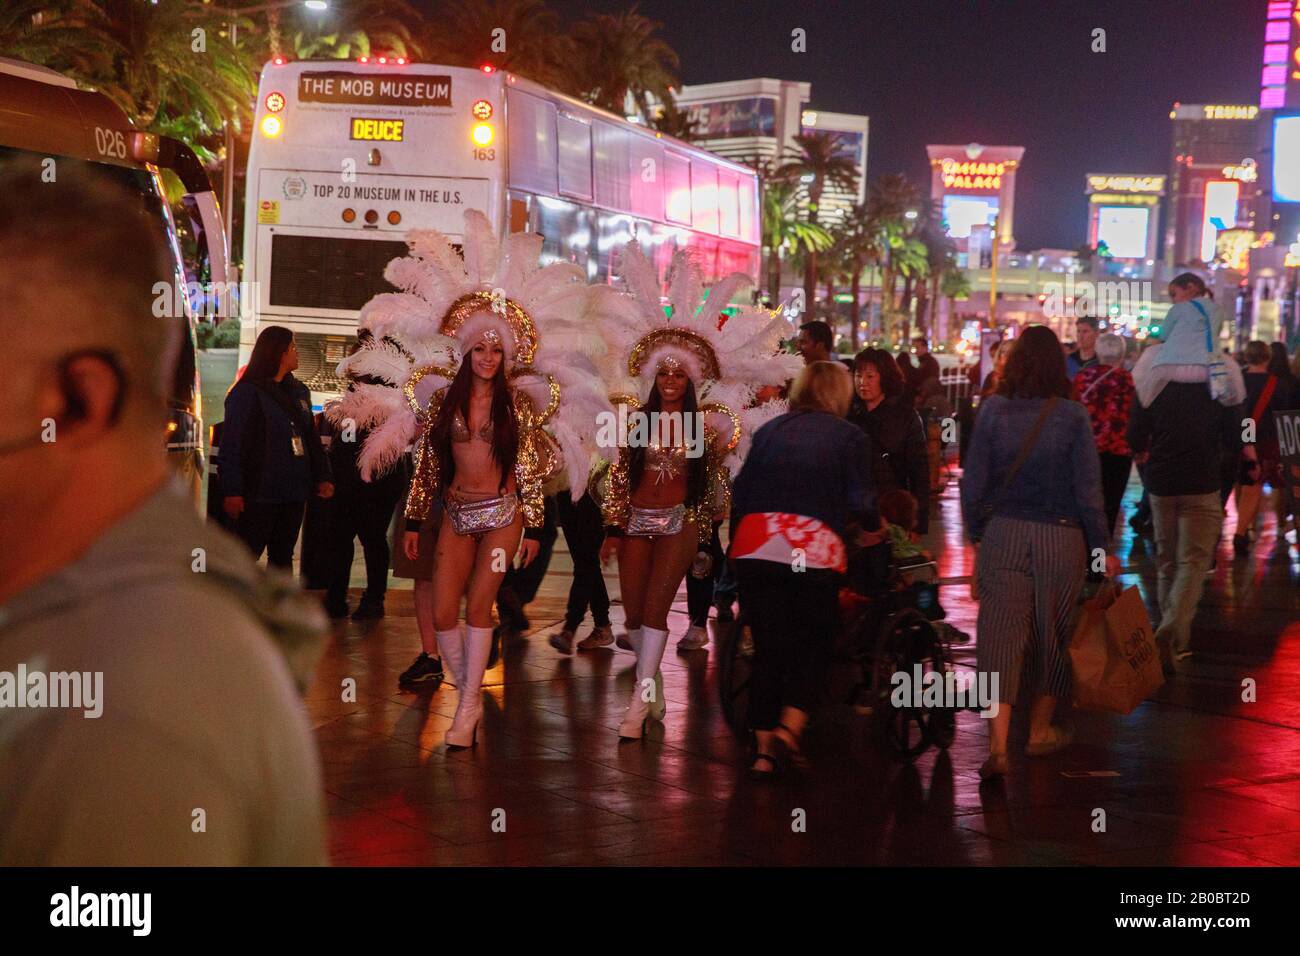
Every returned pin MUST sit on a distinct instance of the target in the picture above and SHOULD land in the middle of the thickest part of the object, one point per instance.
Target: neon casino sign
(1281, 67)
(964, 174)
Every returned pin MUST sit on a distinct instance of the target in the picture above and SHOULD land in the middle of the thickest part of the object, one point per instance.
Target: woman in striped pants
(1032, 504)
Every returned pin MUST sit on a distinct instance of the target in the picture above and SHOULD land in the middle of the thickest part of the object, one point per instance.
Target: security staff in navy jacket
(271, 455)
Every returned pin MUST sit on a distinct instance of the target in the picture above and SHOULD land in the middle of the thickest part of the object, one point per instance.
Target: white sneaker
(695, 639)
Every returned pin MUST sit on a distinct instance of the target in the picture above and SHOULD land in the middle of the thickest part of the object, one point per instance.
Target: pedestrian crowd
(459, 473)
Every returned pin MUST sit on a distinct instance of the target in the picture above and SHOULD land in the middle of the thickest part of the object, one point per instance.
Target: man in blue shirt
(1085, 332)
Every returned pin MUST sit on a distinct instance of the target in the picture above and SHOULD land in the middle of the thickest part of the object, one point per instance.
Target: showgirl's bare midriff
(477, 476)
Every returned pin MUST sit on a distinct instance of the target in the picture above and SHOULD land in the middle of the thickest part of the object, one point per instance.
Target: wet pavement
(1194, 776)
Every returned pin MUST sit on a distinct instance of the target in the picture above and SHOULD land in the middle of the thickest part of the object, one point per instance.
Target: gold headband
(520, 322)
(692, 342)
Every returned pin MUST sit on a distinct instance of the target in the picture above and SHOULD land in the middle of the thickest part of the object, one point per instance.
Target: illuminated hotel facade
(758, 119)
(1217, 178)
(1124, 219)
(975, 187)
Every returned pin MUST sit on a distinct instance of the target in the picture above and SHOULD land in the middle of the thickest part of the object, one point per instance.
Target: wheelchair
(876, 637)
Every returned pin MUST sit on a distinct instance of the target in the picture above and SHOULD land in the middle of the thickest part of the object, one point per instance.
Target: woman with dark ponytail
(271, 454)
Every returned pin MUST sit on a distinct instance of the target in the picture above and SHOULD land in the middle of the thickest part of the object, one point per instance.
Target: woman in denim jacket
(1040, 533)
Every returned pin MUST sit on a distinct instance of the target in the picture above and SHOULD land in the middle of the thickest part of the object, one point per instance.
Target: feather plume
(719, 296)
(685, 288)
(642, 281)
(386, 444)
(482, 251)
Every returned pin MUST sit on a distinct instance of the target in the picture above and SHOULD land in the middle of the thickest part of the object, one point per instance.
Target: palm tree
(465, 33)
(617, 55)
(940, 254)
(819, 160)
(140, 55)
(954, 285)
(70, 37)
(889, 200)
(860, 236)
(908, 259)
(673, 121)
(784, 232)
(359, 28)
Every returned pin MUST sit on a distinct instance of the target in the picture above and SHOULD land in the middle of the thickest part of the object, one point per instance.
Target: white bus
(46, 116)
(348, 156)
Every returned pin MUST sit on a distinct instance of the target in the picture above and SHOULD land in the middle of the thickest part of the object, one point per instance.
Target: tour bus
(347, 157)
(46, 115)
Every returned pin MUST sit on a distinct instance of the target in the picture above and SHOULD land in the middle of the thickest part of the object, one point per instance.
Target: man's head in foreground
(88, 364)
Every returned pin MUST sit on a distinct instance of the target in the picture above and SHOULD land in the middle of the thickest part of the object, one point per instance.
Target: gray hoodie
(189, 743)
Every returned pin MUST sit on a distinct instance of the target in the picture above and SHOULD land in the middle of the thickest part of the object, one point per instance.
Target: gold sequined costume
(727, 358)
(456, 292)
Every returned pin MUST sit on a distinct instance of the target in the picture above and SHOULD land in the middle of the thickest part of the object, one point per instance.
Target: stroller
(896, 630)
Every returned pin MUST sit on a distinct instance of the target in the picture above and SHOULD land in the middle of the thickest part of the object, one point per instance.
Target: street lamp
(910, 215)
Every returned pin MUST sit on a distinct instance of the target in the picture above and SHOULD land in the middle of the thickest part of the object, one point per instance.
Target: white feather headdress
(728, 358)
(494, 290)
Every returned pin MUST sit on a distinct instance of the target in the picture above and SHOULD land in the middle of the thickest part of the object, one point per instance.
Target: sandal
(789, 742)
(763, 774)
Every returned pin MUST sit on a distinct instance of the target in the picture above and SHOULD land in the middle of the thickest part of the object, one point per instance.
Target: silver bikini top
(460, 431)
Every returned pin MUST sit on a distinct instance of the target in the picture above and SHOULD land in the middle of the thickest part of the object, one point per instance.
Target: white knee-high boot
(451, 645)
(469, 707)
(649, 654)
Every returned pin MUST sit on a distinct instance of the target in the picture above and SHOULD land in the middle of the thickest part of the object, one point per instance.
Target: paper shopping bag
(1113, 653)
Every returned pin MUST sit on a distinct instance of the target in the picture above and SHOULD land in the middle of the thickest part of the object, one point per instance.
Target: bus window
(704, 195)
(532, 146)
(329, 272)
(677, 187)
(575, 157)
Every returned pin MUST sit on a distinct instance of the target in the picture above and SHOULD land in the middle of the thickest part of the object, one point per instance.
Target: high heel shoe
(469, 707)
(650, 653)
(658, 707)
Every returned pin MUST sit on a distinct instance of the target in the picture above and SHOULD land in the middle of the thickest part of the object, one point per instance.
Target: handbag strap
(1097, 381)
(1026, 447)
(1261, 403)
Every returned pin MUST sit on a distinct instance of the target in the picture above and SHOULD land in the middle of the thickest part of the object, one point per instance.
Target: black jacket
(899, 453)
(1190, 436)
(258, 460)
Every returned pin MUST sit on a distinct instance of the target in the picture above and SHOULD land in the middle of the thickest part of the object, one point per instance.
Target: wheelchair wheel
(735, 667)
(908, 641)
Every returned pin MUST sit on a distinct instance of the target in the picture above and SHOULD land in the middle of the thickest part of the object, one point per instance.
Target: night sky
(1013, 72)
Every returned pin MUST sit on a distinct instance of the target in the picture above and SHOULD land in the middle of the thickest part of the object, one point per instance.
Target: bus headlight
(482, 134)
(271, 126)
